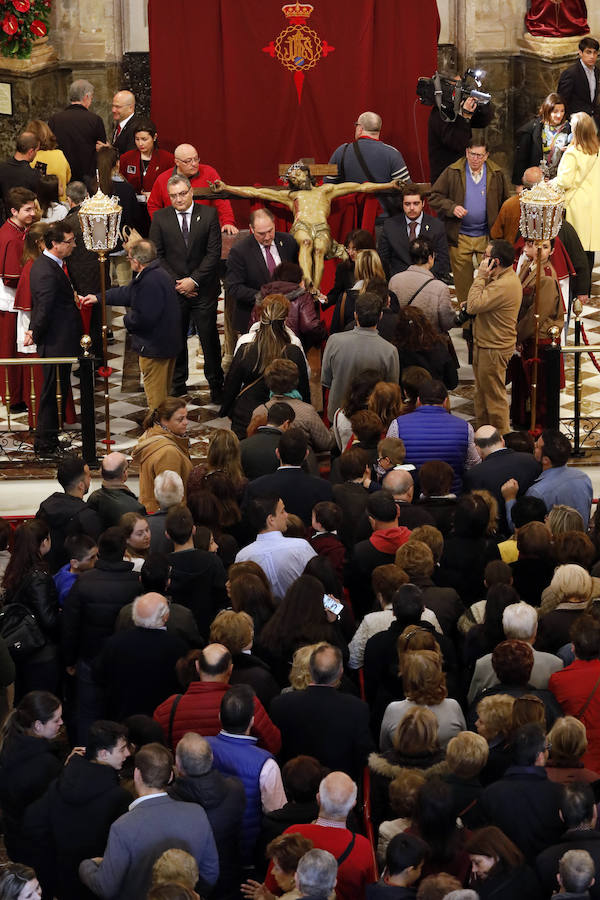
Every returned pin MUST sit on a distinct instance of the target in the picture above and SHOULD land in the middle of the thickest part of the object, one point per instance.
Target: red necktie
(271, 264)
(118, 131)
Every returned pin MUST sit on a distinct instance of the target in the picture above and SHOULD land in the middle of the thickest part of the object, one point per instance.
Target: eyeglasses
(476, 155)
(188, 162)
(180, 195)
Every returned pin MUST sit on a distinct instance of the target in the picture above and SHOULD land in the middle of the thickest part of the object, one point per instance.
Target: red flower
(21, 5)
(9, 24)
(38, 28)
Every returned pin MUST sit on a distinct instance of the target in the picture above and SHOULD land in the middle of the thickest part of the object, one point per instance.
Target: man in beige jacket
(494, 299)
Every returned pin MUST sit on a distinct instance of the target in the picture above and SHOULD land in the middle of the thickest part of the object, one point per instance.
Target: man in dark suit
(579, 85)
(78, 131)
(259, 452)
(188, 243)
(299, 491)
(55, 327)
(400, 230)
(322, 722)
(82, 264)
(125, 121)
(497, 466)
(252, 261)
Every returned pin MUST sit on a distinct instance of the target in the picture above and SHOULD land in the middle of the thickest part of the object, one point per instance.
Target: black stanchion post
(86, 400)
(577, 451)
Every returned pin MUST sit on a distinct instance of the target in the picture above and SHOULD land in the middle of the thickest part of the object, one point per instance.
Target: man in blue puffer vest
(235, 753)
(432, 432)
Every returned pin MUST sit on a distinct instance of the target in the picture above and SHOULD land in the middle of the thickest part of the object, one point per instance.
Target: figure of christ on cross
(311, 206)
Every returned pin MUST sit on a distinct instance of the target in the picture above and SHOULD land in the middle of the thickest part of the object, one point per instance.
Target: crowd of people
(360, 660)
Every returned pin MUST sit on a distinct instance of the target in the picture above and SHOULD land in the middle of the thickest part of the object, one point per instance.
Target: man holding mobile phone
(494, 299)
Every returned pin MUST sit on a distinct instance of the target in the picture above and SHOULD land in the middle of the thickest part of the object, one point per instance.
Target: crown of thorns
(296, 167)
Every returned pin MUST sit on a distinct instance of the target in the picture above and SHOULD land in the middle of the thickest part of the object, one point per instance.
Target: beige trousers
(491, 402)
(461, 259)
(158, 375)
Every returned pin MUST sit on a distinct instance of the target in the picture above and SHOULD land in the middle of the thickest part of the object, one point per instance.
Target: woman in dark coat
(28, 763)
(544, 138)
(420, 345)
(358, 239)
(498, 870)
(245, 387)
(27, 582)
(468, 549)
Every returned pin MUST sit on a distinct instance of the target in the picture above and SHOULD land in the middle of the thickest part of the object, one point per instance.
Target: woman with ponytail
(267, 340)
(162, 446)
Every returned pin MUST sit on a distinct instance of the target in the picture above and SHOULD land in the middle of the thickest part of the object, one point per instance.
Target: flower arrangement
(21, 21)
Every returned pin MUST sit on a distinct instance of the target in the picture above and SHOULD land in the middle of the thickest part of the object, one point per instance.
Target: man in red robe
(21, 203)
(557, 18)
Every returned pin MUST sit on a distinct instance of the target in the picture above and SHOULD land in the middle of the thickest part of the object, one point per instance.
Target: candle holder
(100, 217)
(541, 218)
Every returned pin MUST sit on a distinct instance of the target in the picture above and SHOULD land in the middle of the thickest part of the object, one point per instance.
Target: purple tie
(412, 231)
(271, 264)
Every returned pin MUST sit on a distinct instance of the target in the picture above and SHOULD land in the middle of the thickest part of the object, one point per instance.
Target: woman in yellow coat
(579, 176)
(162, 446)
(49, 160)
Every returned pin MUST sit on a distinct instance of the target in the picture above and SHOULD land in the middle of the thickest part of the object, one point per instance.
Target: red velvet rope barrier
(585, 341)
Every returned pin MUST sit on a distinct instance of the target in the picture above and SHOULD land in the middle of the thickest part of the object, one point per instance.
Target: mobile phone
(332, 605)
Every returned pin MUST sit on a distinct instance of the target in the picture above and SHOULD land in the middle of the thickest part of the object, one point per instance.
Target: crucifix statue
(311, 205)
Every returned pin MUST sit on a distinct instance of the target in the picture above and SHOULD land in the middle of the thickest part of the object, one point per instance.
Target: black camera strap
(366, 171)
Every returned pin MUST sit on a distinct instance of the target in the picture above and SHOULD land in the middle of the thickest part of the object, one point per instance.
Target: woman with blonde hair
(235, 630)
(424, 685)
(572, 587)
(579, 176)
(267, 340)
(163, 445)
(494, 723)
(569, 743)
(49, 160)
(385, 400)
(367, 266)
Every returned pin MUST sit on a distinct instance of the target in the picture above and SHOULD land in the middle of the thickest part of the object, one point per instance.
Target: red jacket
(159, 197)
(572, 687)
(12, 240)
(355, 872)
(198, 710)
(130, 165)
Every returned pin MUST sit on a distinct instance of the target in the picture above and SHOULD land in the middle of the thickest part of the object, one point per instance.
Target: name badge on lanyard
(131, 170)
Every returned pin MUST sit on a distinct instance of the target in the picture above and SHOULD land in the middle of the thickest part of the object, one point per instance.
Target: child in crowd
(83, 554)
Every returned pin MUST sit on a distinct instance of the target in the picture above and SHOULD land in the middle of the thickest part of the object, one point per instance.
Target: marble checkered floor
(128, 399)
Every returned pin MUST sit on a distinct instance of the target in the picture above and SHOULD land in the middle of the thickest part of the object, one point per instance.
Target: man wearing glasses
(187, 163)
(55, 327)
(467, 197)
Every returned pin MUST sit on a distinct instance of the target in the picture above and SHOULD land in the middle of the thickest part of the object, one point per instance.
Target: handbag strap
(172, 718)
(579, 714)
(344, 856)
(251, 385)
(418, 291)
(343, 309)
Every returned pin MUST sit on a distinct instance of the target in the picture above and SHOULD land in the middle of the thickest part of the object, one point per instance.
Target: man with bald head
(114, 498)
(323, 722)
(125, 121)
(136, 667)
(187, 162)
(223, 799)
(336, 797)
(498, 464)
(198, 709)
(401, 484)
(368, 159)
(252, 261)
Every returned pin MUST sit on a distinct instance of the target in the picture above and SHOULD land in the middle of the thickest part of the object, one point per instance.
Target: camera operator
(447, 141)
(494, 299)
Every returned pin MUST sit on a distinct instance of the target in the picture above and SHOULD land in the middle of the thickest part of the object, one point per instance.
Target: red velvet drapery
(215, 87)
